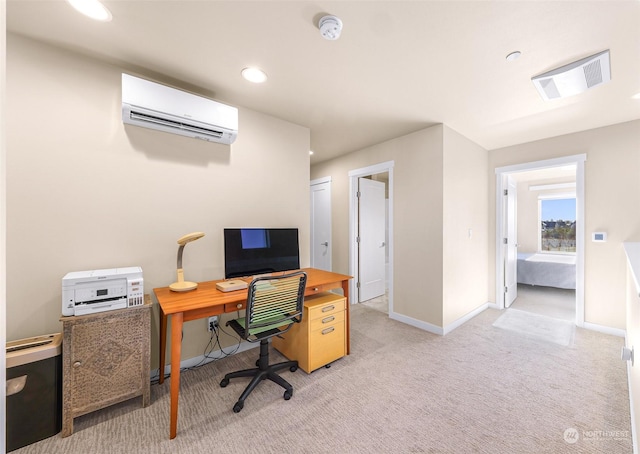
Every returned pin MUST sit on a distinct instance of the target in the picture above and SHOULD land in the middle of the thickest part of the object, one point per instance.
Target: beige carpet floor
(553, 302)
(479, 389)
(535, 326)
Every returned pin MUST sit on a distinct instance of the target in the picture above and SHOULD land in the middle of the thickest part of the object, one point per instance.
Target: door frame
(353, 226)
(501, 173)
(312, 233)
(511, 241)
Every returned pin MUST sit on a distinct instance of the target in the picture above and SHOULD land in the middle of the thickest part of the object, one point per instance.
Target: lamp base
(183, 286)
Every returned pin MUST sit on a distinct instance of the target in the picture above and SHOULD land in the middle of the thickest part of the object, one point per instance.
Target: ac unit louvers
(575, 77)
(159, 107)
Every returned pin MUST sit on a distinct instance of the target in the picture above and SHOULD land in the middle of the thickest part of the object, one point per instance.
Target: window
(557, 223)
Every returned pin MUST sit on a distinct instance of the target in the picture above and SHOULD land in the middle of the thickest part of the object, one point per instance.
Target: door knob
(326, 243)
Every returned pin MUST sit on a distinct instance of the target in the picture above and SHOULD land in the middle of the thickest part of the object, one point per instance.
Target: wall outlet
(212, 323)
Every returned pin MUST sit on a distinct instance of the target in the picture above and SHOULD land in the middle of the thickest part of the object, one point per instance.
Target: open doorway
(371, 231)
(545, 228)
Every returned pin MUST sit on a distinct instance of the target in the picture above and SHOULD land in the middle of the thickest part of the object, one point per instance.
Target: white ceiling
(398, 67)
(565, 172)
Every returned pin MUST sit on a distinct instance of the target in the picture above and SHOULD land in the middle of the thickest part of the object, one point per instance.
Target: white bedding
(549, 270)
(553, 258)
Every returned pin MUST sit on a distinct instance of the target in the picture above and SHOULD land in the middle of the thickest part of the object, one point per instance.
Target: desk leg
(176, 348)
(345, 291)
(163, 345)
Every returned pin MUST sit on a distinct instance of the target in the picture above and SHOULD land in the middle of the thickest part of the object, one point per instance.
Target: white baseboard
(465, 318)
(437, 329)
(417, 323)
(202, 360)
(604, 329)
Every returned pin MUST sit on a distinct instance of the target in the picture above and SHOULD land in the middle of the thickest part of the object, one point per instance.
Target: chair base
(263, 371)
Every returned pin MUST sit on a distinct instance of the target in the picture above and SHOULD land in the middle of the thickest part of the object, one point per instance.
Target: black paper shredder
(34, 389)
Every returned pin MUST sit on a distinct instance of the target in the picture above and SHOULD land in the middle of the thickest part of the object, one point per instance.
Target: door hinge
(506, 192)
(357, 239)
(358, 194)
(506, 289)
(357, 284)
(505, 240)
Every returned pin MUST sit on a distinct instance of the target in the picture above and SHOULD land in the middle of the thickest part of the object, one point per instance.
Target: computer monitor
(253, 251)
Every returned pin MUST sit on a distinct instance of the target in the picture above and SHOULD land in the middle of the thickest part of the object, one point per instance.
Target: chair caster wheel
(237, 407)
(287, 395)
(224, 382)
(293, 368)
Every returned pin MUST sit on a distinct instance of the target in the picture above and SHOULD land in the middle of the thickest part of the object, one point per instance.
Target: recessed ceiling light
(513, 56)
(93, 9)
(636, 96)
(255, 75)
(310, 152)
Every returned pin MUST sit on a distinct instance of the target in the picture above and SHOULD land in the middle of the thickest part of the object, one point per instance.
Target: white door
(511, 246)
(371, 231)
(321, 225)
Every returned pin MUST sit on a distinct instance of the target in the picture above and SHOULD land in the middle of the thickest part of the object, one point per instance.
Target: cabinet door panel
(106, 360)
(326, 345)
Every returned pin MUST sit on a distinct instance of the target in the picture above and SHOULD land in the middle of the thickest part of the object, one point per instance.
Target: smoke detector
(575, 77)
(330, 27)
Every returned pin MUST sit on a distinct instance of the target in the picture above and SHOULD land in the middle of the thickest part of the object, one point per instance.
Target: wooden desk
(207, 300)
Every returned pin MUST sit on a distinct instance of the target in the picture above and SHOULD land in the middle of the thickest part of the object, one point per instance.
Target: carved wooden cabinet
(320, 338)
(105, 360)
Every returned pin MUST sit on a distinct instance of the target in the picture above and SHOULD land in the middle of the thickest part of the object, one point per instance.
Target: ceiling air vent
(575, 77)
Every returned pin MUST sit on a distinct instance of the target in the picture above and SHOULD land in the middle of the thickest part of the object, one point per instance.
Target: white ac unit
(163, 108)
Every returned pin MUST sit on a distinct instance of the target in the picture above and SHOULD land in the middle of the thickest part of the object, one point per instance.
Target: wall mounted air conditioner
(159, 107)
(574, 78)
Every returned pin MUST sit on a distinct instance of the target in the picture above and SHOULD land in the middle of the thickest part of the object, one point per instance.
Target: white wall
(417, 215)
(633, 342)
(86, 192)
(3, 221)
(612, 198)
(465, 226)
(439, 191)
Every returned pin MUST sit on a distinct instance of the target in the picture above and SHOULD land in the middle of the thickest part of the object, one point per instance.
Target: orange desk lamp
(182, 285)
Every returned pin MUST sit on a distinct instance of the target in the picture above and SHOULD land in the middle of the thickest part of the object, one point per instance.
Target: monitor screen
(252, 251)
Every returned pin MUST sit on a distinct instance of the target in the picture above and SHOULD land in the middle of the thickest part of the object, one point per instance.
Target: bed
(549, 270)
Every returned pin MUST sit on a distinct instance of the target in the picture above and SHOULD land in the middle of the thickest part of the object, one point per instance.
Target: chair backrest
(274, 303)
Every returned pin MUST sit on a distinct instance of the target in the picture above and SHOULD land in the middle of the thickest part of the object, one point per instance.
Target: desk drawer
(326, 320)
(230, 307)
(326, 345)
(322, 288)
(324, 305)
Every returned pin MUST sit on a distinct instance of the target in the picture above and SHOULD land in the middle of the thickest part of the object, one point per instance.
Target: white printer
(87, 292)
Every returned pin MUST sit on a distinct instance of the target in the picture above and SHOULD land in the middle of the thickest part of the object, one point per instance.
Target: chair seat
(239, 326)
